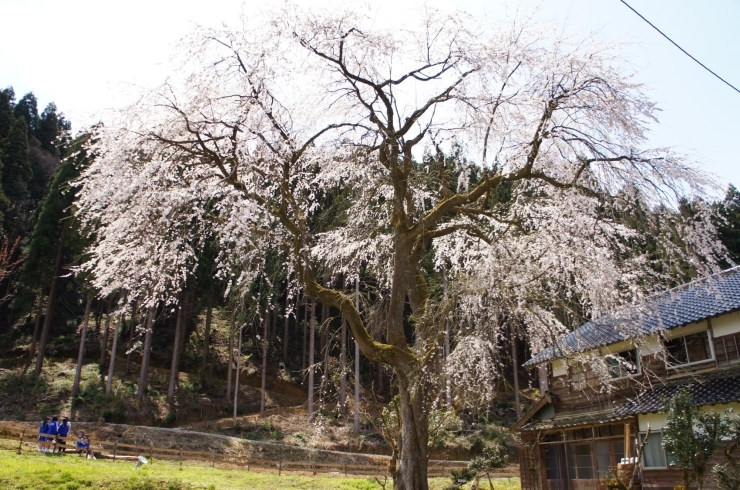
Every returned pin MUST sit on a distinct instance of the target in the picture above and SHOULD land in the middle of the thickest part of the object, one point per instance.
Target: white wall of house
(657, 420)
(726, 324)
(686, 330)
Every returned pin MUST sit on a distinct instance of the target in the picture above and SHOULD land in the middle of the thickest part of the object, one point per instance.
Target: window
(608, 456)
(654, 455)
(689, 349)
(623, 364)
(581, 462)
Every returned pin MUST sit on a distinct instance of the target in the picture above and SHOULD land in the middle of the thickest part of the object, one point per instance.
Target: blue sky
(90, 55)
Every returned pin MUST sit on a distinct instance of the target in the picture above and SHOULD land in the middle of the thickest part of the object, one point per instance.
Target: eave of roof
(713, 388)
(575, 420)
(544, 400)
(692, 302)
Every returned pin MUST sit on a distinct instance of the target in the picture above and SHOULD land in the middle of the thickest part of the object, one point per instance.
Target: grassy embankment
(43, 471)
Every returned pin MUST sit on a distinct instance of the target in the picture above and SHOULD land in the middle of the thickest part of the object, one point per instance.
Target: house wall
(657, 420)
(669, 478)
(589, 394)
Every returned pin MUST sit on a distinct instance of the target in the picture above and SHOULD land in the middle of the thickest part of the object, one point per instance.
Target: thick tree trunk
(104, 341)
(343, 369)
(132, 332)
(265, 348)
(413, 453)
(174, 371)
(412, 448)
(206, 344)
(81, 353)
(36, 327)
(145, 354)
(112, 366)
(49, 309)
(311, 349)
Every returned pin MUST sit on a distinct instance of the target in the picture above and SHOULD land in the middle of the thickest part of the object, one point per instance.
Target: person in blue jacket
(44, 429)
(62, 432)
(52, 431)
(83, 444)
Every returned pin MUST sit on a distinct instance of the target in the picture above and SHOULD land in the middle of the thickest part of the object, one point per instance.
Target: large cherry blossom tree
(496, 157)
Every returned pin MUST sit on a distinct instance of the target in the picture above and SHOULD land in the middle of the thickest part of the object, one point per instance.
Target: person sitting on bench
(83, 444)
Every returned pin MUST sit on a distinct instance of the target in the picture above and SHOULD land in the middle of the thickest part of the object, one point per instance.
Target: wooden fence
(115, 450)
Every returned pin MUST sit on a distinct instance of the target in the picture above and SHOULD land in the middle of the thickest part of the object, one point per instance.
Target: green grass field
(43, 471)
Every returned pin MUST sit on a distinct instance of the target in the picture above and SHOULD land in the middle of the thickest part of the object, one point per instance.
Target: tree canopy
(478, 172)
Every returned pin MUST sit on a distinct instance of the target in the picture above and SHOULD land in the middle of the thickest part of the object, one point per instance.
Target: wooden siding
(669, 478)
(727, 349)
(583, 391)
(525, 473)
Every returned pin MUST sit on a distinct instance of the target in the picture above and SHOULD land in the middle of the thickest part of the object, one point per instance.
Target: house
(605, 382)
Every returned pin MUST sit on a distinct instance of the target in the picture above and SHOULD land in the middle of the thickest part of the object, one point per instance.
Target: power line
(679, 47)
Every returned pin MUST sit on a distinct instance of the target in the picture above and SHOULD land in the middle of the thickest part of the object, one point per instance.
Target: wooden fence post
(213, 463)
(180, 456)
(151, 453)
(20, 443)
(280, 467)
(115, 449)
(345, 469)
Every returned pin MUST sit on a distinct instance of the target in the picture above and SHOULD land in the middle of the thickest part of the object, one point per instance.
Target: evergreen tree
(48, 129)
(16, 174)
(7, 101)
(27, 108)
(54, 237)
(729, 224)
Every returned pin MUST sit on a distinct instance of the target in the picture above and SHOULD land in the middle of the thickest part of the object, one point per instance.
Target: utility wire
(679, 47)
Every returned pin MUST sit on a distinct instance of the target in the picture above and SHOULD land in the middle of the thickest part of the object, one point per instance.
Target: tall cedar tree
(16, 174)
(53, 224)
(729, 226)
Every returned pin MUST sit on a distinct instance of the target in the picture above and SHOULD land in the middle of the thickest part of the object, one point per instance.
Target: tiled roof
(709, 389)
(692, 302)
(577, 420)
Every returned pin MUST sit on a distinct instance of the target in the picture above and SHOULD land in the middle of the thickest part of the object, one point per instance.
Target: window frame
(666, 456)
(638, 364)
(670, 365)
